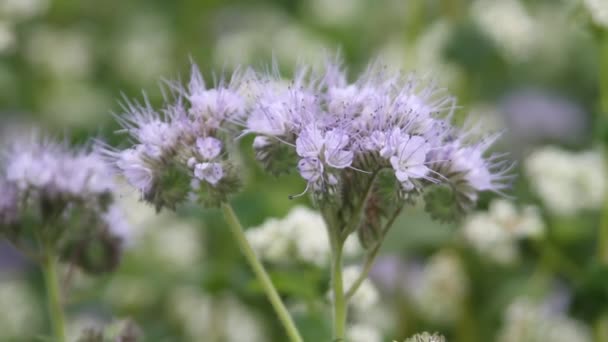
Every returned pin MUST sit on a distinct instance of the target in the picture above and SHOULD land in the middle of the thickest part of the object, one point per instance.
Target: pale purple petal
(339, 159)
(310, 169)
(212, 173)
(310, 142)
(209, 148)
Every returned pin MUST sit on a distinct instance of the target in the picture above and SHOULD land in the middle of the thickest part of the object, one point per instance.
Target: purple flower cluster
(58, 195)
(180, 150)
(319, 124)
(379, 121)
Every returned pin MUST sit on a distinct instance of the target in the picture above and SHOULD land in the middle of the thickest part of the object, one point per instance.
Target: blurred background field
(524, 267)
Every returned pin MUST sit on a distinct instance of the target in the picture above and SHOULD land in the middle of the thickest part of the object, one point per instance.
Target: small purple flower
(336, 155)
(209, 147)
(311, 169)
(132, 165)
(409, 162)
(212, 173)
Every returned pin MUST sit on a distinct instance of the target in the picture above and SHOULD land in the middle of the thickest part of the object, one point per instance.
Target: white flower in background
(495, 233)
(425, 54)
(599, 11)
(128, 292)
(63, 54)
(21, 312)
(529, 321)
(363, 333)
(337, 12)
(75, 104)
(266, 33)
(18, 10)
(302, 235)
(7, 37)
(177, 246)
(366, 296)
(219, 318)
(509, 25)
(567, 182)
(146, 35)
(439, 288)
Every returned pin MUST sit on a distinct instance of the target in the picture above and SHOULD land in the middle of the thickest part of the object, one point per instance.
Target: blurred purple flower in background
(535, 116)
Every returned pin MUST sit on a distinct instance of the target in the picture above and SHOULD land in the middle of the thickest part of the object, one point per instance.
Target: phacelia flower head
(180, 151)
(342, 136)
(62, 196)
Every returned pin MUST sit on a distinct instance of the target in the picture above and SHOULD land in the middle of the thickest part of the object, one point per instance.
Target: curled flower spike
(180, 151)
(63, 198)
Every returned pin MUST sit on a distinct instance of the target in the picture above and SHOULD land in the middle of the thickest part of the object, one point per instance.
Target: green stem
(261, 274)
(371, 256)
(49, 267)
(359, 212)
(600, 326)
(338, 290)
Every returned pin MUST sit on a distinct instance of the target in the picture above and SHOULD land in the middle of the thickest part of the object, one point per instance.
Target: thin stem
(371, 256)
(600, 326)
(360, 210)
(603, 106)
(261, 274)
(49, 268)
(338, 289)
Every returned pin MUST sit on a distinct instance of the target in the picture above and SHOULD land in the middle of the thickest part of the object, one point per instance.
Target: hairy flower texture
(180, 151)
(60, 195)
(426, 337)
(344, 135)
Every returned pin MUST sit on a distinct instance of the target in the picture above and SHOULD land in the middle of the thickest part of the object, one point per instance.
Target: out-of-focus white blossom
(529, 321)
(62, 54)
(128, 292)
(366, 296)
(22, 314)
(509, 25)
(146, 35)
(274, 35)
(18, 10)
(567, 182)
(495, 233)
(363, 333)
(75, 104)
(599, 11)
(7, 37)
(220, 318)
(301, 235)
(337, 12)
(439, 288)
(177, 246)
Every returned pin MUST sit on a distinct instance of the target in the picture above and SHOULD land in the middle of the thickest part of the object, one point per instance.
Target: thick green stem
(261, 274)
(55, 307)
(338, 292)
